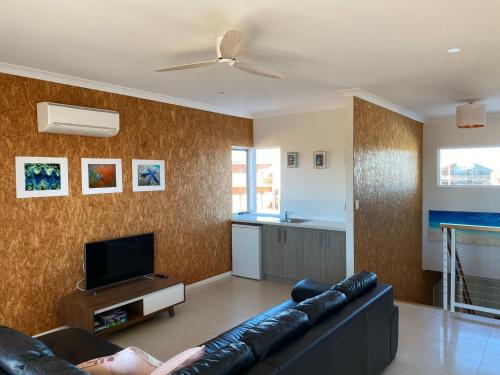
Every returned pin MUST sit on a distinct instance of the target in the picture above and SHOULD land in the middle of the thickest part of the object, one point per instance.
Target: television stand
(141, 299)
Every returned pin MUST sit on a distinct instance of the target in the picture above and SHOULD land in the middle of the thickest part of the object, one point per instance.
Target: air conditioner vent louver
(65, 119)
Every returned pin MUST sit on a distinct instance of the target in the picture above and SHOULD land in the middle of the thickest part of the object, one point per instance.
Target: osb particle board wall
(41, 238)
(388, 185)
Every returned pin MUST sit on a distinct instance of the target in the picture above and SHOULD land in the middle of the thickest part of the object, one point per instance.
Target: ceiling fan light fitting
(471, 115)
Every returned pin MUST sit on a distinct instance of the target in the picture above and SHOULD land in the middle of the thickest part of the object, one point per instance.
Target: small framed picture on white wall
(319, 159)
(292, 159)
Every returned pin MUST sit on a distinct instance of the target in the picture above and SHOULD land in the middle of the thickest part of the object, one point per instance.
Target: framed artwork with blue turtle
(41, 177)
(148, 175)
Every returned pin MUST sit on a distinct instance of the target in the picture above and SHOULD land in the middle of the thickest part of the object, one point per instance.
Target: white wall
(310, 193)
(479, 199)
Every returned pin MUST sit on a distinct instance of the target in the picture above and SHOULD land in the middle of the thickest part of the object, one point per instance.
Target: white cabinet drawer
(163, 299)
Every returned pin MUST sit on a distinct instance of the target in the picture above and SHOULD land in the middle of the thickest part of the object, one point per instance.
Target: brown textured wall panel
(41, 238)
(388, 185)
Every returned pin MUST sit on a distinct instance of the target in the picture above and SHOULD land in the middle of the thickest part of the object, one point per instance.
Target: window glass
(476, 166)
(240, 180)
(268, 180)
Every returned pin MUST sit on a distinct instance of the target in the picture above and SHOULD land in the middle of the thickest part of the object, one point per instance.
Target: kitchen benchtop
(273, 220)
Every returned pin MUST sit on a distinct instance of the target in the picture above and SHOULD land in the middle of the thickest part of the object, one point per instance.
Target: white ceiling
(394, 49)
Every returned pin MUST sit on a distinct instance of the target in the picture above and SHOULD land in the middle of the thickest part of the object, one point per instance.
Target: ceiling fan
(228, 47)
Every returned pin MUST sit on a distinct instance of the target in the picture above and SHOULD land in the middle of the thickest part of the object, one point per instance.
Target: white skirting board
(188, 287)
(209, 280)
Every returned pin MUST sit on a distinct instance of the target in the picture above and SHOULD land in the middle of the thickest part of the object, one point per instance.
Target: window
(240, 179)
(256, 180)
(267, 170)
(475, 166)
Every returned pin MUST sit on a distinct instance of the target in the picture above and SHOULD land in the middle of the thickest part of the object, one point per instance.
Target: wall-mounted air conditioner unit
(67, 119)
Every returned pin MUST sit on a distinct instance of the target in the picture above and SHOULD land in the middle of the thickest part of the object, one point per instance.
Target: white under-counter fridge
(247, 251)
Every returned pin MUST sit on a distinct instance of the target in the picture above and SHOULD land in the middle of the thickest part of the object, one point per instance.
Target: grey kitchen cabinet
(335, 256)
(273, 264)
(313, 254)
(294, 253)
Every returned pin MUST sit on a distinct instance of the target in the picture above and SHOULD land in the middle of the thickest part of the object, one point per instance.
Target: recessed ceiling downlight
(453, 50)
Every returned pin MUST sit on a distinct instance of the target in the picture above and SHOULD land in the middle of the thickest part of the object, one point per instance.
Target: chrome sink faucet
(287, 214)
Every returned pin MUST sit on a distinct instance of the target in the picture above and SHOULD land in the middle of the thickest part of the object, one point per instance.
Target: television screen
(112, 261)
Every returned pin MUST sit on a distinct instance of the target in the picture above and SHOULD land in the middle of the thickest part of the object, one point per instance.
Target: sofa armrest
(306, 288)
(77, 346)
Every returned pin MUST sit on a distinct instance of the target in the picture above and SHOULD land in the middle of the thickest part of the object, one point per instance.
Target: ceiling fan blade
(259, 70)
(230, 45)
(187, 66)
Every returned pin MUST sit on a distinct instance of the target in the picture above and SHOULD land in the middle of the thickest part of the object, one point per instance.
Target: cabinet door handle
(284, 232)
(279, 235)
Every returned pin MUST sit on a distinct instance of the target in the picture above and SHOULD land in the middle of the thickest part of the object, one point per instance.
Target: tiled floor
(431, 341)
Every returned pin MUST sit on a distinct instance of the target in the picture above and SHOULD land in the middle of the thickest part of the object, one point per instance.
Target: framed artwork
(292, 159)
(148, 175)
(319, 159)
(101, 176)
(470, 237)
(41, 177)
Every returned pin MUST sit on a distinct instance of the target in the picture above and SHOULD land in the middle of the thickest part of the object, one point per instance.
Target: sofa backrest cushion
(231, 359)
(17, 349)
(306, 288)
(51, 366)
(323, 305)
(356, 285)
(273, 332)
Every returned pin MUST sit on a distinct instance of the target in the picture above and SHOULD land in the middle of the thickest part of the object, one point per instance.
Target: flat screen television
(117, 260)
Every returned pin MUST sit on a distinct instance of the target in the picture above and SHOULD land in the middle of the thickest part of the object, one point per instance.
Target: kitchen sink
(294, 221)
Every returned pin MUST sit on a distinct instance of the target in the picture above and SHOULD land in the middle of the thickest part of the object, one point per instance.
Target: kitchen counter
(273, 220)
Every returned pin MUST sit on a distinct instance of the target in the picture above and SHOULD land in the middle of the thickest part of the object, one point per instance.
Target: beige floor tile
(412, 308)
(490, 364)
(400, 367)
(404, 340)
(493, 345)
(444, 356)
(410, 322)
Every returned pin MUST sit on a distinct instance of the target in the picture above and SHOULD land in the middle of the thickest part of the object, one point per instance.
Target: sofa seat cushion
(356, 285)
(306, 288)
(53, 366)
(322, 305)
(17, 349)
(231, 359)
(234, 334)
(77, 346)
(275, 331)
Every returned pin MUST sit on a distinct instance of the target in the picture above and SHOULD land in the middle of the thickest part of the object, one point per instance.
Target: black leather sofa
(349, 328)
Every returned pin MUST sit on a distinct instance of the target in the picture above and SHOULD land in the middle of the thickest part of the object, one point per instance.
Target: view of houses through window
(262, 188)
(268, 180)
(475, 166)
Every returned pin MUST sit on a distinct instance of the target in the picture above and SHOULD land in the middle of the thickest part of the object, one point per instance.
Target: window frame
(249, 180)
(438, 168)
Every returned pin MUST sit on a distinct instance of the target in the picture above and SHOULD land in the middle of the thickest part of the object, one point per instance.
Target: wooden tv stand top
(78, 308)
